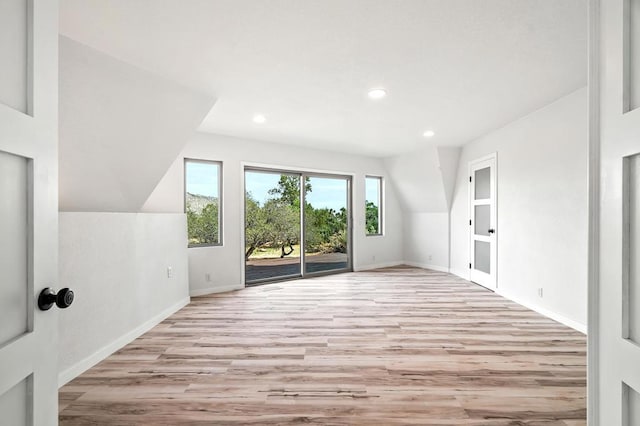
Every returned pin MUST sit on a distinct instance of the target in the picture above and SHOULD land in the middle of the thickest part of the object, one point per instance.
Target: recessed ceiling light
(259, 118)
(429, 134)
(377, 93)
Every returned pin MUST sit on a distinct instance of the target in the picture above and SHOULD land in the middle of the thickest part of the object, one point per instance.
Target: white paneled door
(483, 221)
(28, 210)
(616, 322)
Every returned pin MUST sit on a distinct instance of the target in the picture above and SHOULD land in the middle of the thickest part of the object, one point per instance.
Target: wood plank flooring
(395, 346)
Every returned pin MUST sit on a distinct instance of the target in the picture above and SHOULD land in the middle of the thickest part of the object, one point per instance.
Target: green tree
(288, 190)
(372, 217)
(283, 211)
(203, 227)
(258, 231)
(284, 222)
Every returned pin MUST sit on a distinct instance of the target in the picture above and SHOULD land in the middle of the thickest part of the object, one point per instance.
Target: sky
(202, 179)
(325, 192)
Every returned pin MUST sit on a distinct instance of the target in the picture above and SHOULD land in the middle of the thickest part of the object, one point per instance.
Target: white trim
(80, 367)
(582, 328)
(212, 290)
(427, 266)
(593, 261)
(285, 168)
(370, 266)
(243, 223)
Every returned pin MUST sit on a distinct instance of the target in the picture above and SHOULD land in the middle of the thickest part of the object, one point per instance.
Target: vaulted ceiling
(459, 67)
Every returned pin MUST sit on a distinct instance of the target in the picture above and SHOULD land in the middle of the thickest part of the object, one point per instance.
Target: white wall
(426, 240)
(225, 263)
(418, 180)
(542, 209)
(116, 263)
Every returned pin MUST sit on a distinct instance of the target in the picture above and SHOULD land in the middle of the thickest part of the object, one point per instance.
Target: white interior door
(616, 322)
(483, 221)
(28, 210)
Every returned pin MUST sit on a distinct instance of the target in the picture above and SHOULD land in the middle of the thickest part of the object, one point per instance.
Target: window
(202, 203)
(373, 190)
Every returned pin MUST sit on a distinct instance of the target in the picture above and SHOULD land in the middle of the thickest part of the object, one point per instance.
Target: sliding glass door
(276, 229)
(272, 226)
(326, 242)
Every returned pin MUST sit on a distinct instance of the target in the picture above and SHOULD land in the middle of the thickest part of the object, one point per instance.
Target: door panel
(29, 210)
(14, 315)
(631, 242)
(482, 256)
(15, 404)
(14, 51)
(630, 406)
(615, 323)
(483, 221)
(326, 225)
(272, 226)
(482, 183)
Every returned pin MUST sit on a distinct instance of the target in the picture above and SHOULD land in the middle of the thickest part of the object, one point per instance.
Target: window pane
(482, 256)
(483, 183)
(202, 202)
(373, 190)
(326, 224)
(482, 219)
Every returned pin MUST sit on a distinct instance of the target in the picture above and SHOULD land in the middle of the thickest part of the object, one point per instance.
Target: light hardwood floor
(387, 347)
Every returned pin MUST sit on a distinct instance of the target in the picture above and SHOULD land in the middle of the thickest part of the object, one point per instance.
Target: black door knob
(491, 231)
(63, 299)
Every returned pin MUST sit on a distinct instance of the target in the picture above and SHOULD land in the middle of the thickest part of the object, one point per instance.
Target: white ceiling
(459, 67)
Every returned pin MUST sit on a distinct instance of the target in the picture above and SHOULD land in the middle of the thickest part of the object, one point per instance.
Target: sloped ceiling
(425, 179)
(121, 127)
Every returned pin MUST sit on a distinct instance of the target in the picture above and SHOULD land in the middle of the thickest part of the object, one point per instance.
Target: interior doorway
(296, 224)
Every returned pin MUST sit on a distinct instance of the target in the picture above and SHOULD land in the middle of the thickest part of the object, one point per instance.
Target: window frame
(220, 201)
(380, 231)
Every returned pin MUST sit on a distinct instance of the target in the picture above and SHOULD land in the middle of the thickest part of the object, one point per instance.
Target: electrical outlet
(207, 277)
(373, 258)
(169, 272)
(540, 293)
(430, 257)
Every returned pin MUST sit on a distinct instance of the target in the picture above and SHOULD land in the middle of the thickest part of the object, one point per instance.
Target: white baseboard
(426, 266)
(546, 312)
(539, 309)
(377, 265)
(211, 290)
(80, 367)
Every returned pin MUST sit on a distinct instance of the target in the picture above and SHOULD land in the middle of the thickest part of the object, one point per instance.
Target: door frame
(593, 237)
(302, 172)
(489, 281)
